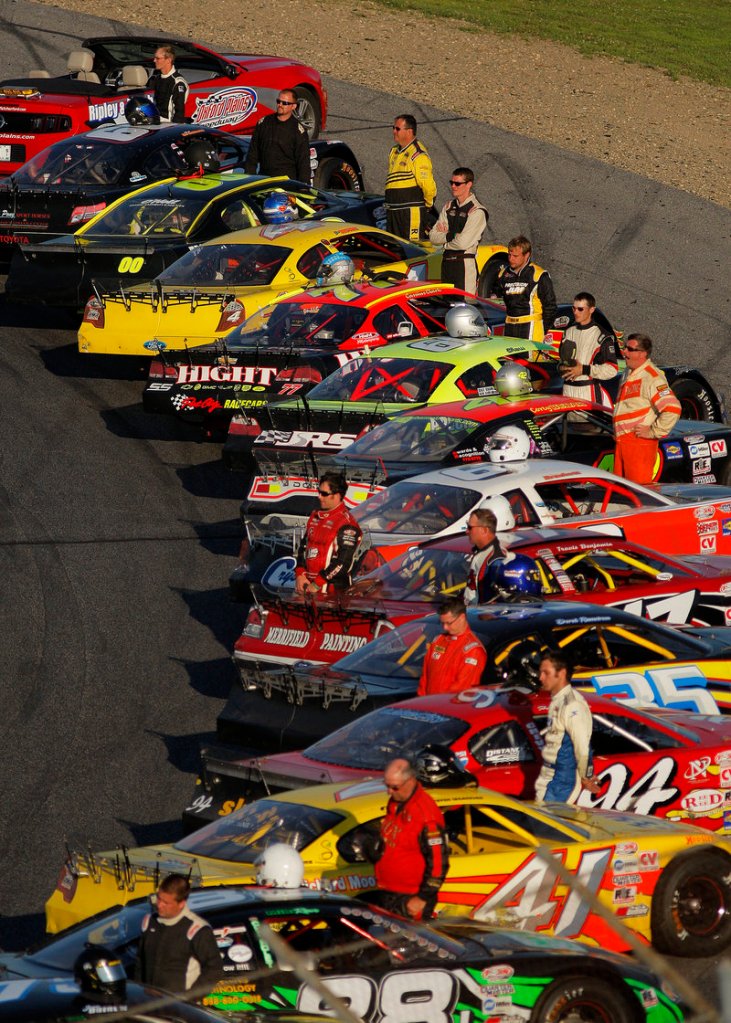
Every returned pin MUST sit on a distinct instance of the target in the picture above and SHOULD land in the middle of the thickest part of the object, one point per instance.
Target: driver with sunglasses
(331, 541)
(280, 144)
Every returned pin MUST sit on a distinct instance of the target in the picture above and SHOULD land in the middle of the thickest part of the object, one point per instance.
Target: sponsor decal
(725, 507)
(341, 643)
(699, 450)
(726, 527)
(303, 439)
(672, 452)
(626, 848)
(701, 465)
(622, 880)
(709, 478)
(113, 108)
(694, 438)
(154, 345)
(227, 375)
(725, 588)
(727, 615)
(718, 448)
(649, 997)
(707, 528)
(497, 973)
(724, 757)
(724, 778)
(226, 107)
(635, 911)
(704, 512)
(280, 574)
(239, 953)
(697, 768)
(702, 800)
(187, 403)
(624, 895)
(708, 544)
(287, 637)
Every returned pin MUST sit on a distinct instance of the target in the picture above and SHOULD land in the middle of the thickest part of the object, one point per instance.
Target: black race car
(382, 966)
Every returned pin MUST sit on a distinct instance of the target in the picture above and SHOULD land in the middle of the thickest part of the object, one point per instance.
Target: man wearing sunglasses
(459, 229)
(331, 541)
(410, 185)
(588, 355)
(646, 410)
(456, 659)
(280, 144)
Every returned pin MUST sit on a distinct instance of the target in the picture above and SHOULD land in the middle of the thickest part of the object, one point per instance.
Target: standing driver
(414, 851)
(280, 144)
(486, 548)
(588, 355)
(171, 89)
(526, 289)
(459, 229)
(410, 186)
(331, 541)
(456, 659)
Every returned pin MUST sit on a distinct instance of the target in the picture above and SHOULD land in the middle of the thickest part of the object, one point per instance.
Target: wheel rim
(584, 1011)
(306, 114)
(700, 906)
(691, 409)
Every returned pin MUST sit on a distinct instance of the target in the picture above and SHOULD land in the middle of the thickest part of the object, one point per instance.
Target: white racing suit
(567, 749)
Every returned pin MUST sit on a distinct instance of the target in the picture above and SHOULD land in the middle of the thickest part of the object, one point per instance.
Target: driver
(331, 541)
(456, 659)
(170, 88)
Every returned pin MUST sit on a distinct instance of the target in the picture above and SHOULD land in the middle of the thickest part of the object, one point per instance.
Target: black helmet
(141, 110)
(202, 153)
(437, 765)
(100, 973)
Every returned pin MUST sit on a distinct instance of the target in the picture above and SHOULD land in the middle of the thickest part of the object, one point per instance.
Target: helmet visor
(109, 971)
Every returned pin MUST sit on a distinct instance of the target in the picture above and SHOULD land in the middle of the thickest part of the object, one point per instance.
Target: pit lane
(118, 530)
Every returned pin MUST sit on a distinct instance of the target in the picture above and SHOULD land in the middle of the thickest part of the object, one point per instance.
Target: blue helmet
(516, 574)
(141, 110)
(336, 268)
(277, 209)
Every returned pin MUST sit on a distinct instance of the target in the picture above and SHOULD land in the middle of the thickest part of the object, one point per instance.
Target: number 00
(130, 265)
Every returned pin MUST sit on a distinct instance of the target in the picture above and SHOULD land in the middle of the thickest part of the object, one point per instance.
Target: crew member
(177, 949)
(459, 229)
(331, 541)
(646, 410)
(280, 144)
(486, 548)
(171, 89)
(589, 356)
(410, 186)
(414, 852)
(526, 289)
(566, 766)
(456, 659)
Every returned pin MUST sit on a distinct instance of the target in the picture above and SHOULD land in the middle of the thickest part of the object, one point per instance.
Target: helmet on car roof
(202, 153)
(100, 973)
(512, 380)
(465, 321)
(278, 209)
(509, 444)
(336, 268)
(141, 110)
(280, 866)
(515, 574)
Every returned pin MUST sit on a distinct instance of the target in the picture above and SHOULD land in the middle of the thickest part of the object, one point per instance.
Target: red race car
(674, 764)
(231, 91)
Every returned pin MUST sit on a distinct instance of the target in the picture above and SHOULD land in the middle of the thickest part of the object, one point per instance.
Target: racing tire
(696, 400)
(584, 999)
(308, 111)
(482, 279)
(335, 173)
(690, 913)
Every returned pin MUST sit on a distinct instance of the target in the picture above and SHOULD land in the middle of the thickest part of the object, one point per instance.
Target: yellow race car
(215, 286)
(670, 883)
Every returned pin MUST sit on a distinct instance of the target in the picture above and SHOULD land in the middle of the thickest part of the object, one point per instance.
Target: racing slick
(588, 355)
(169, 87)
(410, 186)
(456, 659)
(486, 548)
(459, 229)
(646, 410)
(414, 855)
(526, 289)
(566, 766)
(331, 540)
(280, 144)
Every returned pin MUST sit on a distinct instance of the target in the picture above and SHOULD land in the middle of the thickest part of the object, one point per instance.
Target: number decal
(436, 344)
(416, 996)
(199, 804)
(682, 688)
(358, 993)
(130, 265)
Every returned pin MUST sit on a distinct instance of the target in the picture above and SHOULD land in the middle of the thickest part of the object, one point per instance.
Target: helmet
(512, 379)
(500, 507)
(141, 110)
(509, 444)
(465, 321)
(277, 209)
(336, 268)
(436, 765)
(516, 574)
(100, 972)
(280, 866)
(202, 153)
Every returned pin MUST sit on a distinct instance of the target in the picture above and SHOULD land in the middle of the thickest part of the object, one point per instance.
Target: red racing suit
(452, 663)
(328, 548)
(415, 854)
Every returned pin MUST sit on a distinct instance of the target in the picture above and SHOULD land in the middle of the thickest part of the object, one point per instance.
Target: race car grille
(295, 688)
(35, 124)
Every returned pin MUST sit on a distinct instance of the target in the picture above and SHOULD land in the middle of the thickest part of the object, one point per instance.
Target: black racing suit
(530, 302)
(179, 953)
(280, 147)
(171, 92)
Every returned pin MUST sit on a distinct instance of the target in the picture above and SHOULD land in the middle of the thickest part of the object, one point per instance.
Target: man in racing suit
(177, 949)
(646, 410)
(486, 548)
(459, 229)
(331, 541)
(280, 143)
(170, 88)
(414, 854)
(410, 186)
(566, 766)
(588, 355)
(526, 289)
(456, 659)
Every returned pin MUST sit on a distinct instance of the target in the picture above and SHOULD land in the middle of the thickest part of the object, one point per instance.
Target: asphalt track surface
(118, 530)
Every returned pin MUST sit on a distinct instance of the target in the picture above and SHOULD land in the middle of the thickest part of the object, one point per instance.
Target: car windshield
(412, 439)
(216, 265)
(319, 324)
(395, 654)
(152, 215)
(421, 574)
(416, 508)
(372, 741)
(112, 930)
(75, 162)
(241, 836)
(382, 380)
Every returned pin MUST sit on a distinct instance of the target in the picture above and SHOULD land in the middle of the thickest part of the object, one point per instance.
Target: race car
(668, 882)
(137, 237)
(206, 293)
(369, 958)
(673, 764)
(279, 706)
(227, 90)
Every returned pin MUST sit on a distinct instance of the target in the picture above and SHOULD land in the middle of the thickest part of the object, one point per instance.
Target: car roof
(310, 231)
(456, 350)
(532, 470)
(370, 293)
(483, 410)
(549, 538)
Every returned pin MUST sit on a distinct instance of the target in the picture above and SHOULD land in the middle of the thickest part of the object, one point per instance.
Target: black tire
(583, 1000)
(482, 290)
(308, 111)
(335, 173)
(696, 400)
(691, 905)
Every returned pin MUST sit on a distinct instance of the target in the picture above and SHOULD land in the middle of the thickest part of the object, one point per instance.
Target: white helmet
(280, 866)
(509, 444)
(336, 268)
(512, 379)
(500, 508)
(465, 321)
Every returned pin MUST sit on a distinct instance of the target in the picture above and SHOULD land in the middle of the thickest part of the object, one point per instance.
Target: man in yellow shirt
(410, 185)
